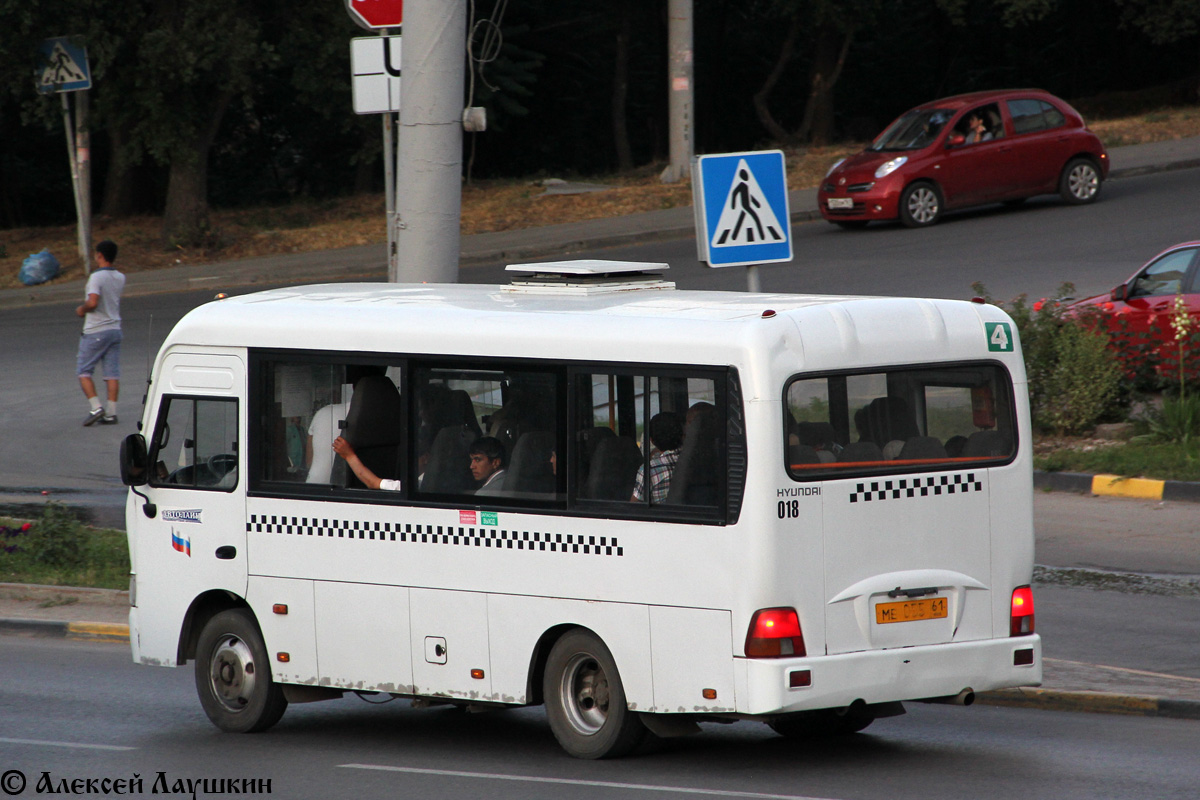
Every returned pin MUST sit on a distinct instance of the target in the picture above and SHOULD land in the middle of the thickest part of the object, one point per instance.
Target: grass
(487, 206)
(1168, 462)
(58, 550)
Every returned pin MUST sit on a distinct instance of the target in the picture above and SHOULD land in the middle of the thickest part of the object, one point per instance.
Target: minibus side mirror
(133, 469)
(134, 460)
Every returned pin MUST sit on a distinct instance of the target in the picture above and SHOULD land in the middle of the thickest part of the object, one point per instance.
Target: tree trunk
(761, 97)
(621, 89)
(832, 45)
(119, 180)
(185, 219)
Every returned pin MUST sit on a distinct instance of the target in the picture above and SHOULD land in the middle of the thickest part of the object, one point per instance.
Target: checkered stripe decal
(916, 487)
(435, 534)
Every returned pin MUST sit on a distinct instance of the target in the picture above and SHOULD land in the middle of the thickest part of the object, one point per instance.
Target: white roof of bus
(675, 326)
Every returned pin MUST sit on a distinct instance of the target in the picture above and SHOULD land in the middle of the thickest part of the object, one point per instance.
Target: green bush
(1177, 421)
(60, 550)
(1082, 383)
(58, 539)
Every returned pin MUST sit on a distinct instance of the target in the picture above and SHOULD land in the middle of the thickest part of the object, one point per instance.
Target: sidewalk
(370, 261)
(102, 615)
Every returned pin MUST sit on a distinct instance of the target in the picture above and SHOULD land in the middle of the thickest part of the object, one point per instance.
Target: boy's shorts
(102, 347)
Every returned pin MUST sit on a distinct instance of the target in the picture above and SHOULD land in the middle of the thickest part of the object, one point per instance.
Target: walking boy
(100, 342)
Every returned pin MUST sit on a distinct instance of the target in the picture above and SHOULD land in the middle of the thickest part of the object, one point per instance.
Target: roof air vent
(587, 277)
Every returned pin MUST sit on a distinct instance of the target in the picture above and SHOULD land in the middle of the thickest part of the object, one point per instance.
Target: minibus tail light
(1022, 612)
(774, 633)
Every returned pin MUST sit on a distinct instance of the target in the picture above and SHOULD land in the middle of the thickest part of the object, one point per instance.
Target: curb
(1117, 486)
(57, 629)
(1092, 703)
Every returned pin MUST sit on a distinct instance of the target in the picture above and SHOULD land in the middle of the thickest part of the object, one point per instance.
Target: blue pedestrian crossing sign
(63, 67)
(741, 208)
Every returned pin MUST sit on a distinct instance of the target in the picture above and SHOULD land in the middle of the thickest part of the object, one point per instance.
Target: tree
(193, 61)
(1163, 21)
(832, 25)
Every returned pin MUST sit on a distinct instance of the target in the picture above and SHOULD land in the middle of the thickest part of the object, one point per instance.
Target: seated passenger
(487, 465)
(976, 130)
(361, 471)
(666, 435)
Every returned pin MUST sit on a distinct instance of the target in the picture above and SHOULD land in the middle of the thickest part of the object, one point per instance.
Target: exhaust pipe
(964, 698)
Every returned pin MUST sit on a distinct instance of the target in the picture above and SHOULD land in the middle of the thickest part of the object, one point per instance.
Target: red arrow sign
(376, 13)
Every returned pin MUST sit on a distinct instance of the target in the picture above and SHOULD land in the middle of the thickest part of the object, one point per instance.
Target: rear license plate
(841, 202)
(911, 610)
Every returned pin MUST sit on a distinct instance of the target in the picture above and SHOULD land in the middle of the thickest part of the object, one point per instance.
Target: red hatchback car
(967, 150)
(1147, 300)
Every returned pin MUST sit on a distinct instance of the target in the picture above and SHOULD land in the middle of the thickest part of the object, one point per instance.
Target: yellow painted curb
(1050, 699)
(1116, 486)
(97, 630)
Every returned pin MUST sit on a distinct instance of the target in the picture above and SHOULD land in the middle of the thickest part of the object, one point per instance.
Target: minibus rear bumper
(769, 686)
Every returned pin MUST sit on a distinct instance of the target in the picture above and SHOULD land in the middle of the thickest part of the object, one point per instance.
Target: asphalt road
(79, 711)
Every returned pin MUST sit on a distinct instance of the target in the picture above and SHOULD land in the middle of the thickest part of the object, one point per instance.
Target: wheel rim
(1083, 182)
(585, 694)
(231, 673)
(923, 205)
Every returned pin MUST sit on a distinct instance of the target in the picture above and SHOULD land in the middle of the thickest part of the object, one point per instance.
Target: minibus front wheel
(233, 674)
(585, 701)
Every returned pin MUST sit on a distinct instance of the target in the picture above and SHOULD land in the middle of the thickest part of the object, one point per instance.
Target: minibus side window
(900, 420)
(648, 439)
(488, 434)
(195, 443)
(305, 405)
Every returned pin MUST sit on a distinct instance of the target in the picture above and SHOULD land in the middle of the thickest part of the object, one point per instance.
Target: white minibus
(643, 507)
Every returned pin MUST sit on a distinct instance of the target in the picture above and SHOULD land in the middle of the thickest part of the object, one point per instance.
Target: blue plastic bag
(38, 268)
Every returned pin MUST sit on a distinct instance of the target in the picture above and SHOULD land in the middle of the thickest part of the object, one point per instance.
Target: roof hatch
(587, 277)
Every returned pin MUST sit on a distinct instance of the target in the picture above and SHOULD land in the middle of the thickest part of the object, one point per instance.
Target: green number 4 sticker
(999, 337)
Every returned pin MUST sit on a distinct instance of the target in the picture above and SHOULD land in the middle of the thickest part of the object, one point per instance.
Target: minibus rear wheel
(585, 701)
(233, 675)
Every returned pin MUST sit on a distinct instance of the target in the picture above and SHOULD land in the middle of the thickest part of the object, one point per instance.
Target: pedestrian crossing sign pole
(741, 207)
(63, 69)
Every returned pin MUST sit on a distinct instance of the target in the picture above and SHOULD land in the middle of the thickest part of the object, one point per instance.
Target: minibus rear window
(909, 419)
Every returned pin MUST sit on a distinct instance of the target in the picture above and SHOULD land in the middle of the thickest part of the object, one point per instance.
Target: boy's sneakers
(94, 416)
(106, 420)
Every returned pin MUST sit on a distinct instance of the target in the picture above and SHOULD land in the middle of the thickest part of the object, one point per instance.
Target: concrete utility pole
(679, 53)
(429, 168)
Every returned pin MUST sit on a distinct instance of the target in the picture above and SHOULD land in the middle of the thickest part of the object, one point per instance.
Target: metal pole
(70, 129)
(83, 168)
(389, 180)
(679, 47)
(753, 285)
(429, 169)
(389, 188)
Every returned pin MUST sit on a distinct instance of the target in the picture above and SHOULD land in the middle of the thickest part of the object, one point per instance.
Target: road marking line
(80, 745)
(571, 782)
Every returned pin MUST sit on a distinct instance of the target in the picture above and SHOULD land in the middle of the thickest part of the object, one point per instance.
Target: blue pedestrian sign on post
(63, 68)
(741, 208)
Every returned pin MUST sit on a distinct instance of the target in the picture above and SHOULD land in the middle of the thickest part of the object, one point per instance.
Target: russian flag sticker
(181, 544)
